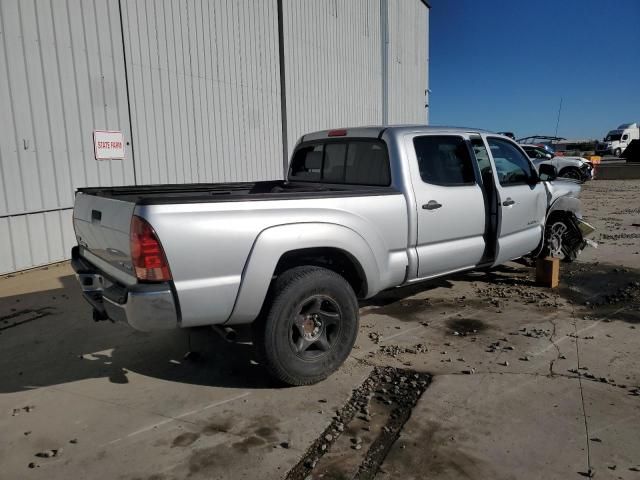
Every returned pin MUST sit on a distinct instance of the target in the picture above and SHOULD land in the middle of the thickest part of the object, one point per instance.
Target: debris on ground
(397, 389)
(396, 350)
(49, 453)
(375, 337)
(28, 408)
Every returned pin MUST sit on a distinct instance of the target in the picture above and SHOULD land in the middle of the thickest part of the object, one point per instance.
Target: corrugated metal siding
(204, 89)
(35, 239)
(60, 78)
(426, 59)
(332, 64)
(408, 27)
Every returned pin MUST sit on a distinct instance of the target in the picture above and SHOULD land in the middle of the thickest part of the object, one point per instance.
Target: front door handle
(508, 202)
(431, 205)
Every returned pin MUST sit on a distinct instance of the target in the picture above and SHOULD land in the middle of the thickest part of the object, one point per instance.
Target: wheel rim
(554, 240)
(315, 327)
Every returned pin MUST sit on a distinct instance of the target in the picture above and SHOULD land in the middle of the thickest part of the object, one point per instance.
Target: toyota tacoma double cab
(361, 210)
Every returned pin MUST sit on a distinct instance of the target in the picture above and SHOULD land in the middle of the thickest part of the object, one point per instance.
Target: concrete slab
(497, 426)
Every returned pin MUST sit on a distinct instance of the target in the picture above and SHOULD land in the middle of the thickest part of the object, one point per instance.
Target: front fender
(275, 241)
(566, 204)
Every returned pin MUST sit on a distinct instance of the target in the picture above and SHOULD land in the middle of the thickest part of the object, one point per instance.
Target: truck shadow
(607, 292)
(48, 338)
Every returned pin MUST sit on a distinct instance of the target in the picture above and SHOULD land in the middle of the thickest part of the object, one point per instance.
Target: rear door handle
(431, 205)
(508, 202)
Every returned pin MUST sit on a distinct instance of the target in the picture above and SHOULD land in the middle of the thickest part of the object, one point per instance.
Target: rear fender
(274, 242)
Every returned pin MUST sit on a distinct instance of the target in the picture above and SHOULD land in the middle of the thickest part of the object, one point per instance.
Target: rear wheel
(309, 327)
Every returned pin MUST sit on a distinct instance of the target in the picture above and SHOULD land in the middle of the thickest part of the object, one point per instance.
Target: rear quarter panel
(208, 245)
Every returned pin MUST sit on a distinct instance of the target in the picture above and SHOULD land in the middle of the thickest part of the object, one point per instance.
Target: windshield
(613, 137)
(542, 152)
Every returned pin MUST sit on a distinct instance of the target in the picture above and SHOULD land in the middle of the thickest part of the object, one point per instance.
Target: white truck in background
(619, 139)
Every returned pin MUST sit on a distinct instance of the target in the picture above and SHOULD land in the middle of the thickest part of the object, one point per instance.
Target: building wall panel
(332, 63)
(204, 90)
(407, 54)
(61, 77)
(201, 83)
(31, 240)
(6, 247)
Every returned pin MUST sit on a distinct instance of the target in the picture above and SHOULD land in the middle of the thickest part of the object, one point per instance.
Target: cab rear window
(355, 162)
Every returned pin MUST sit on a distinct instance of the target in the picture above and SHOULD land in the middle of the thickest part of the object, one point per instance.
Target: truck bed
(230, 192)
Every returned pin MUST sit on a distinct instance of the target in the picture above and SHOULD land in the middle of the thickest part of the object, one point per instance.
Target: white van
(619, 139)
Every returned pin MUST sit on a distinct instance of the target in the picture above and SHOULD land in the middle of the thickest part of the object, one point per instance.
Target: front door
(522, 201)
(450, 205)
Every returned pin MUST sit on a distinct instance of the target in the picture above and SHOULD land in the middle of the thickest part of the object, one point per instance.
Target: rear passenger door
(522, 201)
(450, 204)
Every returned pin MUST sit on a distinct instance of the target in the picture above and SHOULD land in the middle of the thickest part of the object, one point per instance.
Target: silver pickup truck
(362, 210)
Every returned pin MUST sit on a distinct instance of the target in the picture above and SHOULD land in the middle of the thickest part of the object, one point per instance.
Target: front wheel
(572, 173)
(559, 240)
(309, 328)
(617, 152)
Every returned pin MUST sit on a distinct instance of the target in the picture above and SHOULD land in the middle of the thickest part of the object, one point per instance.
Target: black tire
(617, 152)
(305, 304)
(572, 173)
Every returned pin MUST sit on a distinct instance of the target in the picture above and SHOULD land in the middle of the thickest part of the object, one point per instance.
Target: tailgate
(102, 231)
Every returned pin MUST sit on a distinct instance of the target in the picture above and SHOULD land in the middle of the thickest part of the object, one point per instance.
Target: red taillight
(337, 133)
(147, 255)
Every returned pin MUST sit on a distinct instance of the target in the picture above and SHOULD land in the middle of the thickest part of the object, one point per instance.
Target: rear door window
(444, 160)
(355, 162)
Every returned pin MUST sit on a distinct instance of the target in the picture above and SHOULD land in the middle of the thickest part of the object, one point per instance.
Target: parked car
(511, 135)
(362, 210)
(618, 140)
(576, 168)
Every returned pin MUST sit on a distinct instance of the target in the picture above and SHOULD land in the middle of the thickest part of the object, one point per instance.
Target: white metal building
(202, 91)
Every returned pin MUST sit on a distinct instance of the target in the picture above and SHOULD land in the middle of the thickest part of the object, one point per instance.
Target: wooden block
(548, 272)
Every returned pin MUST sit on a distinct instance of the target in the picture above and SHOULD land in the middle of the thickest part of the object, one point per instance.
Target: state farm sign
(108, 145)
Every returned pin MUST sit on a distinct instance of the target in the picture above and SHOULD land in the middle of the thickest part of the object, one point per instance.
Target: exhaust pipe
(228, 334)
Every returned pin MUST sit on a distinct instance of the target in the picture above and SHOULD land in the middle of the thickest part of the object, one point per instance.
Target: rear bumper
(145, 306)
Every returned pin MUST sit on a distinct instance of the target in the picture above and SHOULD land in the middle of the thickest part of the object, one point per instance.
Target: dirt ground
(483, 375)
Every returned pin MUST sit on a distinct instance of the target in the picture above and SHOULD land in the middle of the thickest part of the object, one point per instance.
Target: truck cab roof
(376, 131)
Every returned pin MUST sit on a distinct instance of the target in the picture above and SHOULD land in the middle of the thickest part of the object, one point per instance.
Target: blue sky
(504, 64)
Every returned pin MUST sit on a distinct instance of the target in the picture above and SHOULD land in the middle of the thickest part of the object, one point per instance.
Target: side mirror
(547, 172)
(549, 156)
